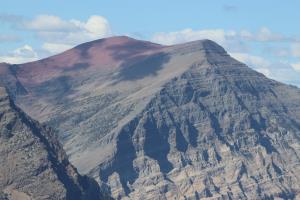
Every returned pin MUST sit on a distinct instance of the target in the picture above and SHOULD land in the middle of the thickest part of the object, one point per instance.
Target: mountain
(166, 122)
(33, 164)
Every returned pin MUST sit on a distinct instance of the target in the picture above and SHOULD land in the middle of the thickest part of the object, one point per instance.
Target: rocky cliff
(33, 164)
(166, 122)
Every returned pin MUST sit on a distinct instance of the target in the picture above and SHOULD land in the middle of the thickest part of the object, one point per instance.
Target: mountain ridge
(174, 122)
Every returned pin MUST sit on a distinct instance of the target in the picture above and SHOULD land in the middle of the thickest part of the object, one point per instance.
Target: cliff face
(156, 122)
(33, 164)
(219, 130)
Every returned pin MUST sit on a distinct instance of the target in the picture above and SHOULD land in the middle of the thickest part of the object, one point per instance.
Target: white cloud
(49, 23)
(265, 34)
(55, 48)
(259, 64)
(252, 61)
(296, 66)
(286, 74)
(277, 51)
(220, 35)
(73, 31)
(267, 72)
(59, 35)
(281, 71)
(295, 49)
(186, 35)
(97, 26)
(246, 34)
(20, 55)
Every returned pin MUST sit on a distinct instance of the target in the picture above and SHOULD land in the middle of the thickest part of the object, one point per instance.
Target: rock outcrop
(166, 122)
(33, 164)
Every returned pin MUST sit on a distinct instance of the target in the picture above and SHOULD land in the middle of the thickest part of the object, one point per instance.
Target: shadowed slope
(33, 163)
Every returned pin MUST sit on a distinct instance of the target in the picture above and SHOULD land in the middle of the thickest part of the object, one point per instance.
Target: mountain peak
(147, 120)
(119, 41)
(206, 45)
(212, 46)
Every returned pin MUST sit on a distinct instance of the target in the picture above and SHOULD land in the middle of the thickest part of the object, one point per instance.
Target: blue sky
(264, 34)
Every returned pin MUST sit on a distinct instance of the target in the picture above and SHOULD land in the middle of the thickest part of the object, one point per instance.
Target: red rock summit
(102, 55)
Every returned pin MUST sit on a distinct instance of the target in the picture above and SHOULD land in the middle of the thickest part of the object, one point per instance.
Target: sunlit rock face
(166, 122)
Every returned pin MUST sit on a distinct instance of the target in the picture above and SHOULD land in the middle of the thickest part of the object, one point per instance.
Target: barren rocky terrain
(148, 121)
(33, 164)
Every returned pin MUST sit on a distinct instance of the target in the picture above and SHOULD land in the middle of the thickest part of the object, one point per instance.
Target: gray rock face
(218, 130)
(33, 164)
(177, 122)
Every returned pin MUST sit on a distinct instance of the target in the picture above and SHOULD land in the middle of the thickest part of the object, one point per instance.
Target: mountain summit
(166, 122)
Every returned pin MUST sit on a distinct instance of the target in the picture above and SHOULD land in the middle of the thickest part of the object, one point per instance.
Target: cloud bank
(20, 55)
(60, 34)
